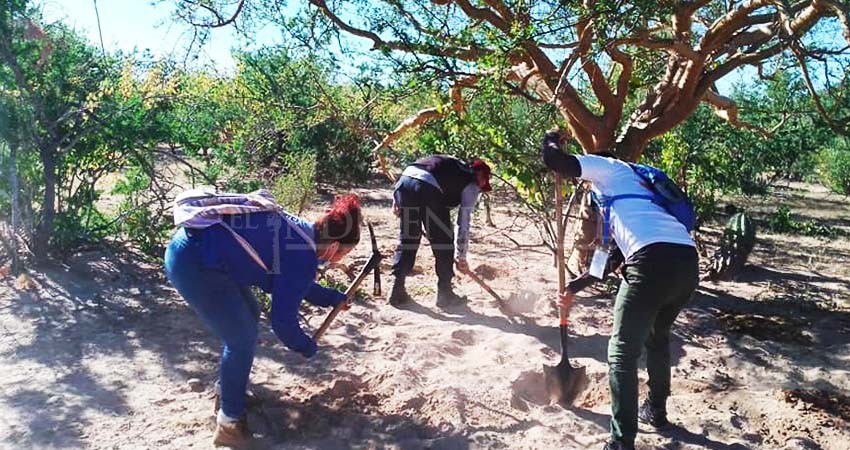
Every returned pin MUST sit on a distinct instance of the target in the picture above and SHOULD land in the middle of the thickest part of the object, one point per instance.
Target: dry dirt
(98, 353)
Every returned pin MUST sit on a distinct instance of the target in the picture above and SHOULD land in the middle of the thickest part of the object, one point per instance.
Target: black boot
(617, 445)
(653, 415)
(447, 298)
(398, 295)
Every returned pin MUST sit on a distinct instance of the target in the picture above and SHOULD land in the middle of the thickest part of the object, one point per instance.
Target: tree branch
(672, 46)
(836, 126)
(725, 26)
(727, 109)
(597, 79)
(220, 20)
(414, 121)
(466, 54)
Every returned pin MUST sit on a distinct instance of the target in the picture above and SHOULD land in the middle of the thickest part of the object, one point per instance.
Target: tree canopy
(619, 73)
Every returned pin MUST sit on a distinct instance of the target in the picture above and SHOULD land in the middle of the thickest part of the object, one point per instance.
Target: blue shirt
(292, 264)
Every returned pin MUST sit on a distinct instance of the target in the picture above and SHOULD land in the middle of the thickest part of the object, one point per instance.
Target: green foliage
(137, 217)
(288, 119)
(359, 296)
(501, 130)
(263, 300)
(296, 188)
(504, 131)
(781, 221)
(710, 159)
(75, 228)
(834, 166)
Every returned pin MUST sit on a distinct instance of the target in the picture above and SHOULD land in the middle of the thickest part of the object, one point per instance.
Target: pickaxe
(372, 264)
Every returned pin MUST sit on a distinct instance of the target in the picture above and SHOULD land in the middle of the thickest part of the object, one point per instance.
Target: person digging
(659, 277)
(424, 195)
(227, 243)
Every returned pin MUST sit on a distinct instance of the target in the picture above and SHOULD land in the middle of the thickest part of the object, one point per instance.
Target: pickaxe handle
(376, 290)
(373, 262)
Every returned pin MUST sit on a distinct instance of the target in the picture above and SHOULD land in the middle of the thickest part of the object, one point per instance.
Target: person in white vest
(659, 277)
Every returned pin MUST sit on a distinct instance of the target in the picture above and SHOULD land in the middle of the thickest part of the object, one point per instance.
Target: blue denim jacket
(292, 264)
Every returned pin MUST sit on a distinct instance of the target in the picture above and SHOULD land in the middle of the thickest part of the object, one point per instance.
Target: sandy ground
(100, 351)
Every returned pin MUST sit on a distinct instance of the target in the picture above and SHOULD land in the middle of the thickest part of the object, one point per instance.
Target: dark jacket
(452, 174)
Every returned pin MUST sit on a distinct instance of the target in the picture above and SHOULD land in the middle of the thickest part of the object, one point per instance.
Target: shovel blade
(564, 382)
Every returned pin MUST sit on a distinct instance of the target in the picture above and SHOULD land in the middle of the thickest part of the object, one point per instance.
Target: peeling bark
(416, 120)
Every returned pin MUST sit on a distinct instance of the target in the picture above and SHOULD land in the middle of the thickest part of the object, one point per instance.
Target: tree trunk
(584, 232)
(587, 231)
(13, 187)
(48, 207)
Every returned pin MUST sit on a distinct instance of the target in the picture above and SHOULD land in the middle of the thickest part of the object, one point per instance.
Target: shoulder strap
(202, 208)
(605, 207)
(247, 246)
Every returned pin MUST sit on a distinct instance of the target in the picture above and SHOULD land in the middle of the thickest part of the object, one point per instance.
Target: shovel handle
(484, 285)
(559, 244)
(564, 316)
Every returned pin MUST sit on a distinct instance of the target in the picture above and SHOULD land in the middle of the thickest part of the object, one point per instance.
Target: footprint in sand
(453, 350)
(460, 339)
(465, 337)
(397, 347)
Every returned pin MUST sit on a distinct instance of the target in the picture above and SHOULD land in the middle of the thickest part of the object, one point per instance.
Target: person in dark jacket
(213, 269)
(424, 195)
(659, 277)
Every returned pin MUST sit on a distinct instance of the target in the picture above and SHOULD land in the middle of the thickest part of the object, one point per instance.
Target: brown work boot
(234, 435)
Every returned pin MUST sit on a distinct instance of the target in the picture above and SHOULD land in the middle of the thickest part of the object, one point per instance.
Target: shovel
(502, 305)
(563, 382)
(514, 303)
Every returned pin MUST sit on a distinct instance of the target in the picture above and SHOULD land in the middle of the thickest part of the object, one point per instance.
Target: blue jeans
(229, 310)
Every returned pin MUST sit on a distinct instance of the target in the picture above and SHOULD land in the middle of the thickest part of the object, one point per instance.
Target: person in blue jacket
(214, 272)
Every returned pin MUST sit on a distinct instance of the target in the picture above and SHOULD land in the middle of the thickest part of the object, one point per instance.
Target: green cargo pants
(657, 282)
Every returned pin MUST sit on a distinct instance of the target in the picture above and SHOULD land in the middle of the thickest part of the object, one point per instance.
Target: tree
(78, 117)
(52, 71)
(619, 73)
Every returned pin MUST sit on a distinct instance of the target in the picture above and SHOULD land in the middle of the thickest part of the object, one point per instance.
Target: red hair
(341, 222)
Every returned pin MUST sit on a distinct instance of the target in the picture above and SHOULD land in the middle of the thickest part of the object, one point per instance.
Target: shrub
(835, 167)
(295, 188)
(781, 221)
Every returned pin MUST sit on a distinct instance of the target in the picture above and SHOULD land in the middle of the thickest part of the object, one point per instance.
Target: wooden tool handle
(559, 244)
(564, 316)
(483, 285)
(349, 294)
(563, 313)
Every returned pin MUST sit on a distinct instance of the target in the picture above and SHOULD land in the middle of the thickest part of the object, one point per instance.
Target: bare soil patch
(99, 351)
